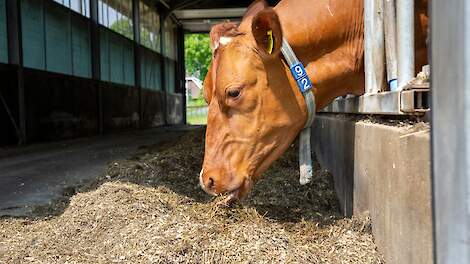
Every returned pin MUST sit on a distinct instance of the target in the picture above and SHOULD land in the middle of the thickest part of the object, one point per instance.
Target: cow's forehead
(235, 61)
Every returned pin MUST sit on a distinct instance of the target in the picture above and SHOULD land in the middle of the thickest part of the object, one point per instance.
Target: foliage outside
(197, 54)
(123, 26)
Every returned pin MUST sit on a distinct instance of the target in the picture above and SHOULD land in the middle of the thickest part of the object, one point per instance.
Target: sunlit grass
(197, 119)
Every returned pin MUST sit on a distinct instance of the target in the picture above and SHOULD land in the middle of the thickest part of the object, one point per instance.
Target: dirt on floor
(150, 209)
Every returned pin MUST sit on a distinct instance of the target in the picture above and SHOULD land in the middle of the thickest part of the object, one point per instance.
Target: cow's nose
(207, 183)
(210, 183)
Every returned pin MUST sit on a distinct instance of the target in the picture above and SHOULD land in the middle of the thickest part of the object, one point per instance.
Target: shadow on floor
(175, 164)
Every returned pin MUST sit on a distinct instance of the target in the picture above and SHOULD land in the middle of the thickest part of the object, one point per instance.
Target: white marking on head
(329, 10)
(215, 46)
(201, 182)
(225, 40)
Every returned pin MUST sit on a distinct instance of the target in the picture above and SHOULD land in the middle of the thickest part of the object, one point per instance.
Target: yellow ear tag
(270, 46)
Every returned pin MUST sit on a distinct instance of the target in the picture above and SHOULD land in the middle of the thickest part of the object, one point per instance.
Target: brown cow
(255, 108)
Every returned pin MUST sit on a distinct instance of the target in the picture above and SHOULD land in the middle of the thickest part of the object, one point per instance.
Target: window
(79, 6)
(169, 49)
(117, 16)
(149, 27)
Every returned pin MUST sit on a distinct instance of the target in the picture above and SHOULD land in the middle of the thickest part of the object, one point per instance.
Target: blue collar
(305, 85)
(300, 75)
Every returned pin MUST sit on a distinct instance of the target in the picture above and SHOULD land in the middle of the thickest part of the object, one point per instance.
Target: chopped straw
(150, 209)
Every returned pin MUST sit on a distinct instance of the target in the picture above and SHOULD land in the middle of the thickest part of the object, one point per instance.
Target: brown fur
(247, 133)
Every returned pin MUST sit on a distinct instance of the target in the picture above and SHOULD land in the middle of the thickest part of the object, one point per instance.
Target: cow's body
(255, 107)
(329, 42)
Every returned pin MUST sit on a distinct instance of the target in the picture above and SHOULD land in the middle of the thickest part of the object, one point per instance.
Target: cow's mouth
(232, 195)
(237, 194)
(230, 199)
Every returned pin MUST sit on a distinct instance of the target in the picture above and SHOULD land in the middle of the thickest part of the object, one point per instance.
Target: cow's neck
(327, 36)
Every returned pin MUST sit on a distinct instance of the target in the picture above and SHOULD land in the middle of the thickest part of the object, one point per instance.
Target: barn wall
(59, 107)
(8, 79)
(3, 33)
(383, 169)
(68, 91)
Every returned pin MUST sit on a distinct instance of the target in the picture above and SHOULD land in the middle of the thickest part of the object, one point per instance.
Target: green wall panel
(32, 20)
(157, 73)
(3, 33)
(143, 69)
(116, 59)
(104, 55)
(150, 70)
(128, 54)
(58, 40)
(170, 72)
(81, 49)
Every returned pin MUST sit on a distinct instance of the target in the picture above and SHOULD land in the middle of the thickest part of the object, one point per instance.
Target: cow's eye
(233, 93)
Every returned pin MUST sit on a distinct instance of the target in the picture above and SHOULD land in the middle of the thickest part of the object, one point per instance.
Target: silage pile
(150, 209)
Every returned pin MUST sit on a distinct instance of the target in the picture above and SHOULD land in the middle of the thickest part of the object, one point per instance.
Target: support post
(405, 41)
(450, 81)
(163, 66)
(390, 27)
(374, 50)
(137, 57)
(15, 57)
(96, 59)
(182, 69)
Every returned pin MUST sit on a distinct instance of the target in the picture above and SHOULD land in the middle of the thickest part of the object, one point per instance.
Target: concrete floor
(38, 174)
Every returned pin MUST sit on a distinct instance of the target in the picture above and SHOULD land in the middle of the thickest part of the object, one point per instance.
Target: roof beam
(221, 13)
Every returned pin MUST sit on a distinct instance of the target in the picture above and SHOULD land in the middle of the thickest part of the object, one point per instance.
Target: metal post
(391, 43)
(15, 56)
(163, 16)
(374, 46)
(450, 81)
(405, 41)
(181, 69)
(96, 60)
(137, 57)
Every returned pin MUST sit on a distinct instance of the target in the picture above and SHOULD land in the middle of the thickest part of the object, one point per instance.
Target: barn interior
(94, 129)
(95, 78)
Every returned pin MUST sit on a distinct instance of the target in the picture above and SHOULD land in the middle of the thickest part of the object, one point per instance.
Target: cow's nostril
(210, 183)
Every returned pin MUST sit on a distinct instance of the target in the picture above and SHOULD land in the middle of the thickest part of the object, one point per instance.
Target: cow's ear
(255, 8)
(267, 32)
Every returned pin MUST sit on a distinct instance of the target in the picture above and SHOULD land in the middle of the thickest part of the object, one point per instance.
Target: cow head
(254, 113)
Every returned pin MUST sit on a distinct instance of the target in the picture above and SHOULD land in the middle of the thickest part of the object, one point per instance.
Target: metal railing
(197, 115)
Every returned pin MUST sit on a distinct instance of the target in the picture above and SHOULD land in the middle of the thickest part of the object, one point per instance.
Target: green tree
(123, 26)
(197, 54)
